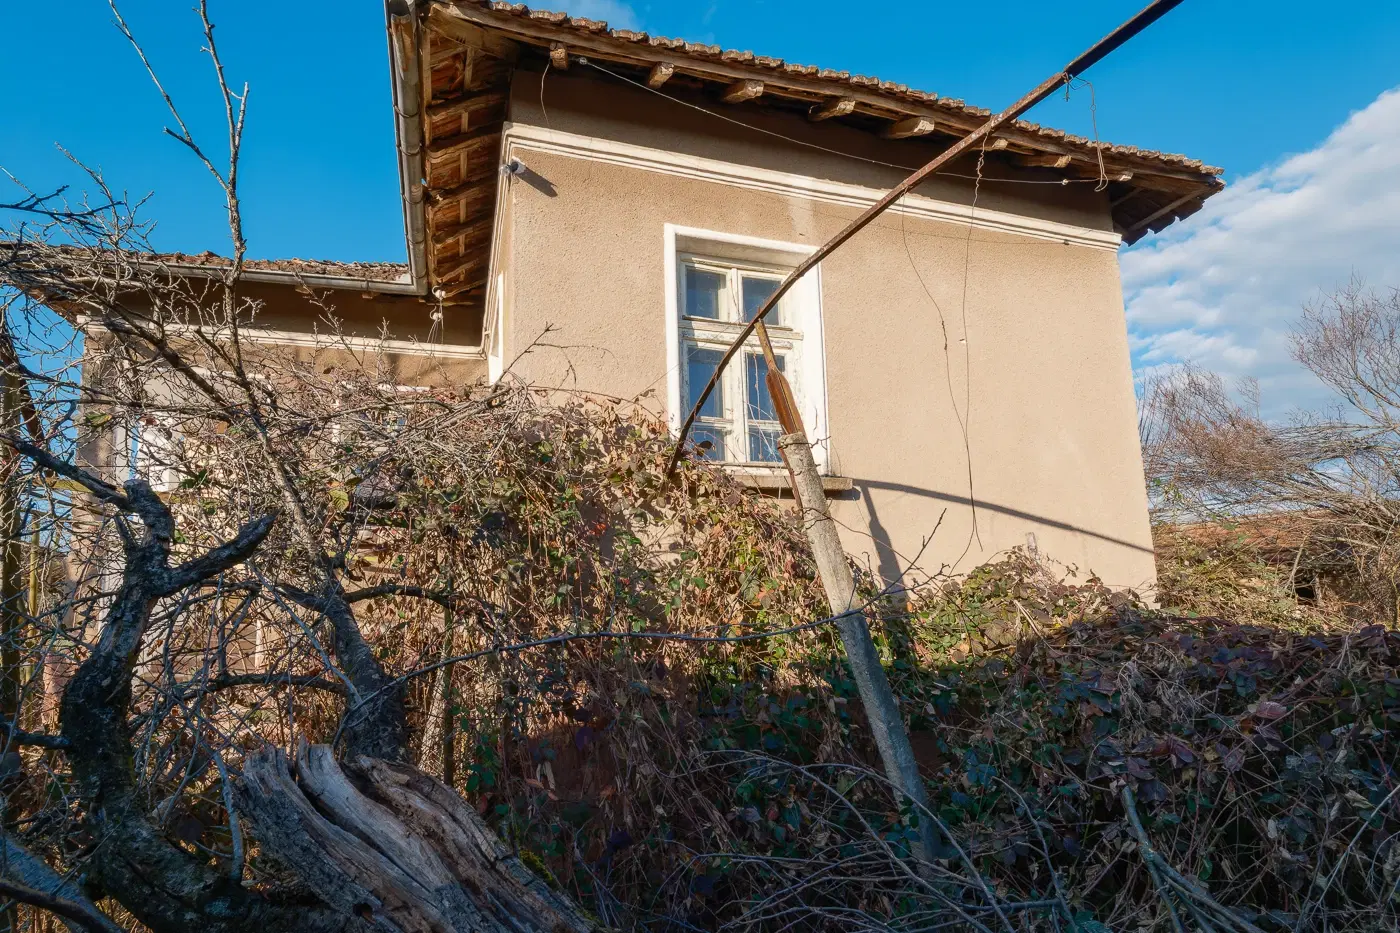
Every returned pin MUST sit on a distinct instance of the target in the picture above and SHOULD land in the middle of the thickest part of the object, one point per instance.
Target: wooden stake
(886, 724)
(881, 710)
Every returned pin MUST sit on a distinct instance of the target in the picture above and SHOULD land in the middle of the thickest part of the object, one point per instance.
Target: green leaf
(340, 500)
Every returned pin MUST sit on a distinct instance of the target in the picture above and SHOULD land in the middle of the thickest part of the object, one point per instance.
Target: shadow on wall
(534, 179)
(893, 566)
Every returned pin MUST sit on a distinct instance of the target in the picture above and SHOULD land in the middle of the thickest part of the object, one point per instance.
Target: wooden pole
(881, 710)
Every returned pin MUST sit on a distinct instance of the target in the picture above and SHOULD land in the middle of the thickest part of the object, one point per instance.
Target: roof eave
(401, 28)
(1177, 185)
(285, 277)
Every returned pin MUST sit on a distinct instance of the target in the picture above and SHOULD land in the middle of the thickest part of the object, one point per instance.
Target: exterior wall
(298, 323)
(962, 367)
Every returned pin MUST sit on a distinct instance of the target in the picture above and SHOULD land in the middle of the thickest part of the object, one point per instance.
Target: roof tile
(895, 91)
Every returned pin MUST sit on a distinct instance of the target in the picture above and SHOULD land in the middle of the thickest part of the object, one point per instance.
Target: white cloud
(1224, 288)
(615, 13)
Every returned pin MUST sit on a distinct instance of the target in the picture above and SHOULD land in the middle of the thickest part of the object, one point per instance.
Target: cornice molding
(520, 136)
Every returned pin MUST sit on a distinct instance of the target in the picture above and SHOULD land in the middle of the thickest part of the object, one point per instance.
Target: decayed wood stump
(394, 847)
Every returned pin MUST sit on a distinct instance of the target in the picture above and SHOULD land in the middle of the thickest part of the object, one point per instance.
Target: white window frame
(338, 429)
(801, 331)
(157, 451)
(494, 339)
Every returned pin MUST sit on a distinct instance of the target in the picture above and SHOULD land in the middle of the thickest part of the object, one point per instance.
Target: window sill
(778, 483)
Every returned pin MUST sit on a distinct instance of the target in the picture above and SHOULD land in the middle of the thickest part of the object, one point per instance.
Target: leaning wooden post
(881, 710)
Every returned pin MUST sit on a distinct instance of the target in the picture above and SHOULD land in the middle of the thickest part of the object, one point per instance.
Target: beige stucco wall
(363, 319)
(1026, 406)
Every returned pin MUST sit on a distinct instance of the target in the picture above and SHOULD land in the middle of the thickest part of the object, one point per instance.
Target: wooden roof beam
(471, 232)
(1163, 212)
(740, 91)
(1083, 167)
(482, 139)
(660, 73)
(452, 19)
(558, 56)
(836, 107)
(465, 35)
(463, 268)
(913, 126)
(470, 101)
(1053, 160)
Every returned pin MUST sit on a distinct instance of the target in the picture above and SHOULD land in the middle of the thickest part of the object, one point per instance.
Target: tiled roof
(838, 80)
(366, 271)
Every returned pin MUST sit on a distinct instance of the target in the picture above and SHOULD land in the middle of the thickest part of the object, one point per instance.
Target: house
(598, 209)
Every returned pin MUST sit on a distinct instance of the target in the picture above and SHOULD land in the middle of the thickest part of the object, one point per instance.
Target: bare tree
(1210, 453)
(166, 579)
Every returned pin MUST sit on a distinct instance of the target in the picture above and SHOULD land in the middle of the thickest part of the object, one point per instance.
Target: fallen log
(394, 847)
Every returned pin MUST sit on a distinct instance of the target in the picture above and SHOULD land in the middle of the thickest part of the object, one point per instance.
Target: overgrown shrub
(672, 784)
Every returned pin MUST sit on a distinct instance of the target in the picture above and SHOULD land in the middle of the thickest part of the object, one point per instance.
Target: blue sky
(1290, 101)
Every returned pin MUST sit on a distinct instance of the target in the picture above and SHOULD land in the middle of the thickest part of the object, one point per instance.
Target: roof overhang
(459, 55)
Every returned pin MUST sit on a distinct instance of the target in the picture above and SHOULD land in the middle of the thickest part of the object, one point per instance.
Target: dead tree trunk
(395, 847)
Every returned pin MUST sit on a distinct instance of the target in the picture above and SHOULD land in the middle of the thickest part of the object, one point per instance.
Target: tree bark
(12, 587)
(19, 865)
(383, 842)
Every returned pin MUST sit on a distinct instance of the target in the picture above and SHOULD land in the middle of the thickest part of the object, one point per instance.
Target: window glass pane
(700, 365)
(702, 293)
(702, 435)
(757, 290)
(760, 403)
(763, 445)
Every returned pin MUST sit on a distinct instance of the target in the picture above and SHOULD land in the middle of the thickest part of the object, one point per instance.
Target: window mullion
(741, 406)
(741, 421)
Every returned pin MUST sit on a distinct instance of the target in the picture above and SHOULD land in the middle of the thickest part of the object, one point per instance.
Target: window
(158, 451)
(367, 419)
(495, 328)
(718, 283)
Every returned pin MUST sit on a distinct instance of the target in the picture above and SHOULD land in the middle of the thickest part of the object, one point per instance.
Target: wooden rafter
(836, 107)
(1159, 214)
(740, 91)
(559, 56)
(462, 269)
(1046, 161)
(470, 101)
(479, 139)
(660, 73)
(912, 126)
(473, 231)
